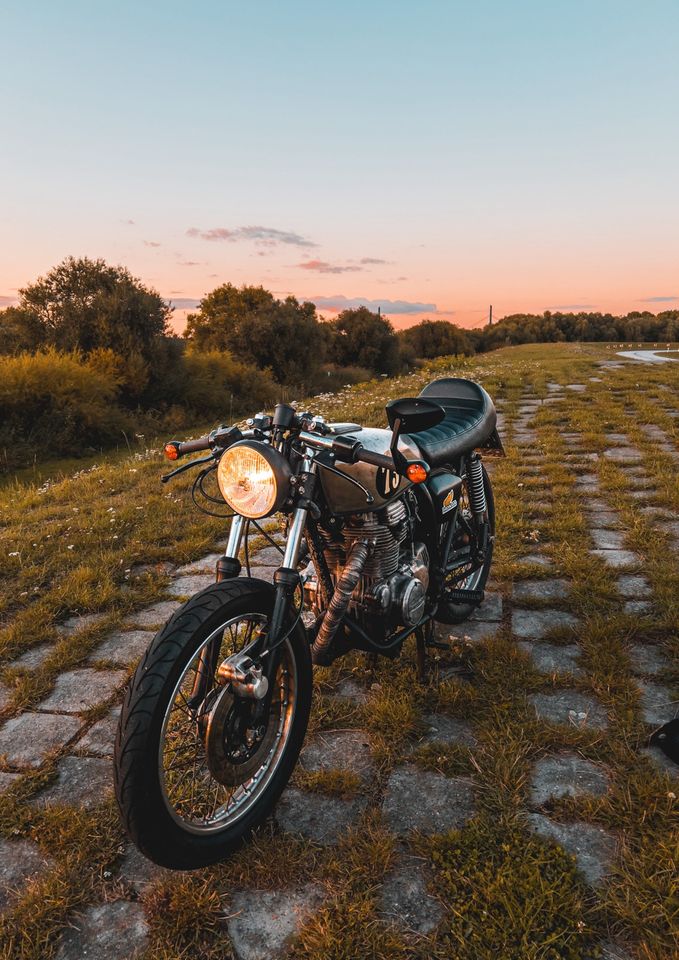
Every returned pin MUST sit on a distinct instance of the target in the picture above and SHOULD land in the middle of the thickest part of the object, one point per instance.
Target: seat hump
(469, 421)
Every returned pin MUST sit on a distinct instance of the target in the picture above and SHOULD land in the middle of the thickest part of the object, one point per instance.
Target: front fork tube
(286, 580)
(228, 567)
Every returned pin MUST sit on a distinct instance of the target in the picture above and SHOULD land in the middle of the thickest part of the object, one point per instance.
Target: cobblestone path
(535, 616)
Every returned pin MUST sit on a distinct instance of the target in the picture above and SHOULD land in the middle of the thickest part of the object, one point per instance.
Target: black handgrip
(193, 446)
(176, 448)
(376, 459)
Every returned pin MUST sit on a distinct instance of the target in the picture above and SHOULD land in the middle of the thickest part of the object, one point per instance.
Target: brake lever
(187, 466)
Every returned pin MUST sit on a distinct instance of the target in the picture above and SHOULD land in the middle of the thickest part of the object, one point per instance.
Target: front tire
(179, 811)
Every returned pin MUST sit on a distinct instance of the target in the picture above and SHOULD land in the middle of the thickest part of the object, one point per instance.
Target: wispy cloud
(573, 306)
(182, 303)
(7, 301)
(265, 236)
(322, 266)
(152, 243)
(340, 302)
(667, 299)
(189, 263)
(128, 223)
(373, 261)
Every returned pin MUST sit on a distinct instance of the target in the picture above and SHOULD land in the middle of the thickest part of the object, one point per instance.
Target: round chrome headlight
(253, 478)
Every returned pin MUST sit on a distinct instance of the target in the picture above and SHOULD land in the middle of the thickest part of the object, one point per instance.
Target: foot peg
(464, 596)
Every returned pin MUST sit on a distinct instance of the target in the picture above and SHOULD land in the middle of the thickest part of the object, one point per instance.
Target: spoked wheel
(475, 579)
(197, 766)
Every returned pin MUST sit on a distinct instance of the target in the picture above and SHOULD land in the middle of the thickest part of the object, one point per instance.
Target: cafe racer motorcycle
(388, 531)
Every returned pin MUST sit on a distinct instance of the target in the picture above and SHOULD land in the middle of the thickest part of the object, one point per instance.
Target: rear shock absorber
(477, 493)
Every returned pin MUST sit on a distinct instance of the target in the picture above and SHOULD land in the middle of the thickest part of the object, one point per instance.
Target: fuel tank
(382, 485)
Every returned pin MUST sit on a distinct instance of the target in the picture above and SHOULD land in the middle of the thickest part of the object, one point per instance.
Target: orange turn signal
(171, 451)
(416, 473)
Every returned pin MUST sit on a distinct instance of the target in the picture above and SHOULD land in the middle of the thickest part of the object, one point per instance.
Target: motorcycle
(388, 532)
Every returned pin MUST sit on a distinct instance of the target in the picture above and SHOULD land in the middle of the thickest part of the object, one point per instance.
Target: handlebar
(348, 449)
(376, 459)
(175, 449)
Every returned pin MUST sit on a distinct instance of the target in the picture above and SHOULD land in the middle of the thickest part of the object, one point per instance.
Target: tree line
(88, 356)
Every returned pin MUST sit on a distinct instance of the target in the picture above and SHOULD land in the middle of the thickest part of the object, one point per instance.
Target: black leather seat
(469, 421)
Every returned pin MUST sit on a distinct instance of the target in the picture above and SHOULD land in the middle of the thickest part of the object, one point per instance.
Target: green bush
(55, 404)
(216, 385)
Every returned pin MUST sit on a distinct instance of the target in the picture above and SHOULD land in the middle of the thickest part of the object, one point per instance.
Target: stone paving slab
(535, 624)
(646, 659)
(350, 689)
(79, 690)
(79, 622)
(261, 923)
(566, 775)
(606, 519)
(417, 799)
(618, 559)
(99, 739)
(135, 871)
(658, 704)
(633, 585)
(637, 607)
(571, 707)
(537, 560)
(339, 750)
(448, 730)
(624, 454)
(552, 658)
(316, 816)
(20, 860)
(404, 900)
(7, 779)
(607, 539)
(592, 846)
(155, 615)
(490, 609)
(81, 782)
(661, 761)
(188, 585)
(123, 647)
(268, 557)
(33, 658)
(469, 631)
(204, 564)
(556, 589)
(28, 739)
(107, 931)
(260, 573)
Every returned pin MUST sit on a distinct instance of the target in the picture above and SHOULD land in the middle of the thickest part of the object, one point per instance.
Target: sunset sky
(431, 157)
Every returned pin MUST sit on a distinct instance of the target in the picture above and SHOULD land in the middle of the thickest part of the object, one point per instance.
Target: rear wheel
(197, 768)
(448, 612)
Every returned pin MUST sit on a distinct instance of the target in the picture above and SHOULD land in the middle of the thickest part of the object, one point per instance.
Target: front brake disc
(230, 759)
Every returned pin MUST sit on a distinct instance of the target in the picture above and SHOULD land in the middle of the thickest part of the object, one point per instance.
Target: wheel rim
(194, 798)
(471, 581)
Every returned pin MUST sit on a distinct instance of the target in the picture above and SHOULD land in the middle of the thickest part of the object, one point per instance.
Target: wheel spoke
(196, 798)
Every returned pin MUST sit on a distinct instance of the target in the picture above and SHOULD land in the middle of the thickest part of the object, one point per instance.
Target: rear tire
(451, 613)
(140, 778)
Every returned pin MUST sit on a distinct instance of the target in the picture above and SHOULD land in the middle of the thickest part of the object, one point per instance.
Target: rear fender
(492, 445)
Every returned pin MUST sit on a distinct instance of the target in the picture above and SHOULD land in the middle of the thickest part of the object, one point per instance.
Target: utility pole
(490, 316)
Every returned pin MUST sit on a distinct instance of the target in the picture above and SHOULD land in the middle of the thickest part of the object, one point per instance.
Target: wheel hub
(236, 745)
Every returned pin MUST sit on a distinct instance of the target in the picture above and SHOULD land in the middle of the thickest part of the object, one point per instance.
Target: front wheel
(196, 767)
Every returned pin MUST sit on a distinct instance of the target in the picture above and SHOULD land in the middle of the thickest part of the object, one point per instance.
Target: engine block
(395, 578)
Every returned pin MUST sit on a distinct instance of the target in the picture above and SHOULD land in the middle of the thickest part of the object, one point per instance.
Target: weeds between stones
(502, 890)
